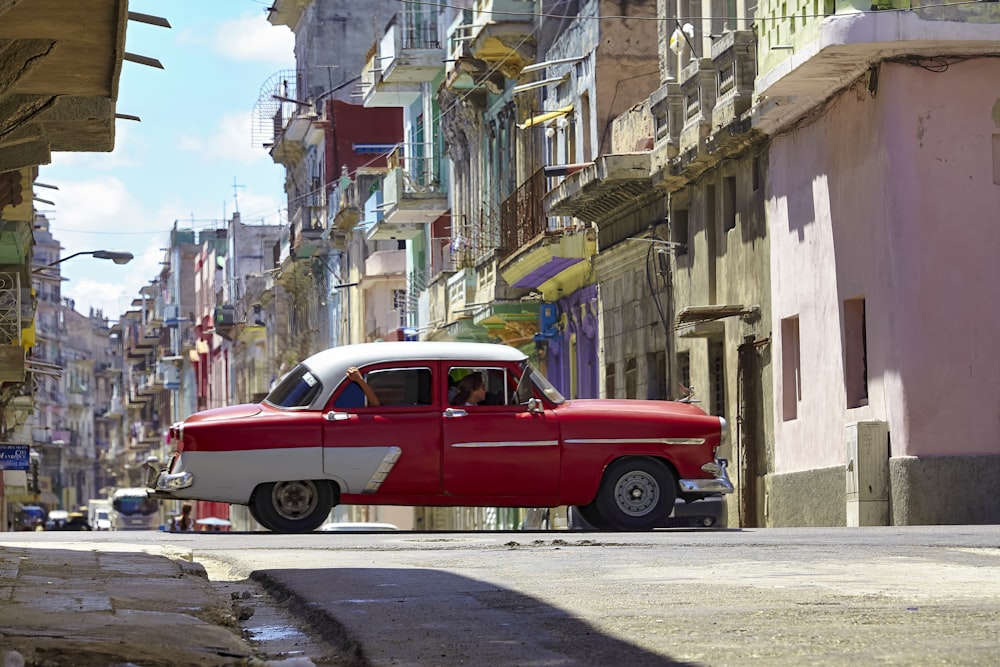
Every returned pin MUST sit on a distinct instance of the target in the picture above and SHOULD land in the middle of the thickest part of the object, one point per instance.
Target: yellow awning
(547, 116)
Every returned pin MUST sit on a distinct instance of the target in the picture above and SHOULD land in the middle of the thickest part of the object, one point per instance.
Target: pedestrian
(186, 521)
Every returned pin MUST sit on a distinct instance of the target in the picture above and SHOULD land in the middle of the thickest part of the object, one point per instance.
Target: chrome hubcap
(293, 500)
(636, 493)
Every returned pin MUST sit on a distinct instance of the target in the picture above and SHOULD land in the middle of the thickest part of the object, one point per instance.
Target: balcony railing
(522, 216)
(410, 49)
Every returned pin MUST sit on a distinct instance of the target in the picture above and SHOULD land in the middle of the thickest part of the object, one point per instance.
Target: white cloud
(95, 205)
(253, 38)
(229, 141)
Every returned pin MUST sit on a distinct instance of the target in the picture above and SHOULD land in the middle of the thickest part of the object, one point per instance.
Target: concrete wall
(809, 498)
(924, 491)
(944, 490)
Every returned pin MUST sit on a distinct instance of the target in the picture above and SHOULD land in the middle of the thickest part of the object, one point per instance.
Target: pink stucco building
(883, 203)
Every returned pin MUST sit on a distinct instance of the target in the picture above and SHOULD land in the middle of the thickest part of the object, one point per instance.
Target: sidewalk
(84, 608)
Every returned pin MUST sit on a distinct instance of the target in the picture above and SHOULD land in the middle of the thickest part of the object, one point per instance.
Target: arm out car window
(296, 390)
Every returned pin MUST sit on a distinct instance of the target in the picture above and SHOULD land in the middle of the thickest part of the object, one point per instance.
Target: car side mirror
(535, 405)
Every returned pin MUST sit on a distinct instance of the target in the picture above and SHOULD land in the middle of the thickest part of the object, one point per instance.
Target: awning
(547, 116)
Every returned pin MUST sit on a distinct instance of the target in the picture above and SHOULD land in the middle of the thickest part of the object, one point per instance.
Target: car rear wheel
(636, 493)
(298, 506)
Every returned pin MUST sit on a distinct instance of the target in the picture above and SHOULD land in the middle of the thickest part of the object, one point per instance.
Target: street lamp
(114, 255)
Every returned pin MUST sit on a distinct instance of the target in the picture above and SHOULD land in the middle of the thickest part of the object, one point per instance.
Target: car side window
(392, 386)
(476, 385)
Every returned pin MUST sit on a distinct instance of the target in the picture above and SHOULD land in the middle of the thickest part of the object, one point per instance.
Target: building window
(791, 369)
(679, 230)
(683, 372)
(717, 375)
(729, 202)
(656, 372)
(855, 353)
(399, 305)
(630, 378)
(609, 381)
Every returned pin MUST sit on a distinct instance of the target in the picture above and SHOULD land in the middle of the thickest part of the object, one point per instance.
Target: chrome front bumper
(719, 484)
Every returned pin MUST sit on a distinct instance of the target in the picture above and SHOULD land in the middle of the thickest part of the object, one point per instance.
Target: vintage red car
(316, 441)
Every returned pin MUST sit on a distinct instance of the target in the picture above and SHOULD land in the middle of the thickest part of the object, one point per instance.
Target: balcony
(698, 89)
(828, 52)
(522, 216)
(734, 60)
(411, 201)
(345, 208)
(557, 263)
(385, 263)
(292, 143)
(502, 34)
(377, 92)
(667, 107)
(307, 226)
(596, 192)
(410, 51)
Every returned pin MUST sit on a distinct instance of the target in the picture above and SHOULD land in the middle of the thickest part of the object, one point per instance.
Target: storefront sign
(15, 457)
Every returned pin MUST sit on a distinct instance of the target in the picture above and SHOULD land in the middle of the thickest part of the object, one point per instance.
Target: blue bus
(133, 509)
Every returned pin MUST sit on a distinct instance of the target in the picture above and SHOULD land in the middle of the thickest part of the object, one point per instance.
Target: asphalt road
(824, 596)
(840, 596)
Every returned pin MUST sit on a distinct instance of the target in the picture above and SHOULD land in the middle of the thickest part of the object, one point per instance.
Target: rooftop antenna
(236, 196)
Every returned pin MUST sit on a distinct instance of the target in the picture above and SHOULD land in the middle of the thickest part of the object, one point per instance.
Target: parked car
(708, 512)
(319, 439)
(56, 520)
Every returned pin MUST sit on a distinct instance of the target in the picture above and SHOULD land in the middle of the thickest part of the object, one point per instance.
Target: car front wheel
(298, 506)
(636, 494)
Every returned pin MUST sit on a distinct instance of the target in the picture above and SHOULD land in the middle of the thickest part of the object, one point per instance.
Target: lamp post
(115, 256)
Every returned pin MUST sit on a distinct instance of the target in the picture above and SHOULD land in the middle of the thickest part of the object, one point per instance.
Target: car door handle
(455, 412)
(337, 416)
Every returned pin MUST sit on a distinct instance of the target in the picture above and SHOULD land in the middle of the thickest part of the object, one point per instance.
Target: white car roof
(334, 362)
(331, 365)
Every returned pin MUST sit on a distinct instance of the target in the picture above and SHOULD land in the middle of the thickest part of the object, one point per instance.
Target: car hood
(226, 413)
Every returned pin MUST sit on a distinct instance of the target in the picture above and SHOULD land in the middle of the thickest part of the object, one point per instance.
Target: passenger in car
(354, 375)
(471, 390)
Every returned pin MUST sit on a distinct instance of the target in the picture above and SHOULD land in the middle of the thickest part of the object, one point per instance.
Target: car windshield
(540, 382)
(295, 390)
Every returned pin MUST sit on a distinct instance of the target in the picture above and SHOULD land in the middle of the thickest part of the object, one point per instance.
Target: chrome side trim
(633, 441)
(383, 470)
(510, 443)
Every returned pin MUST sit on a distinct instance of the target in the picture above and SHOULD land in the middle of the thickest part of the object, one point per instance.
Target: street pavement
(84, 607)
(762, 597)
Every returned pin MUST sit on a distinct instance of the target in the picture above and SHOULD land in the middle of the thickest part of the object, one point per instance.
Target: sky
(191, 159)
